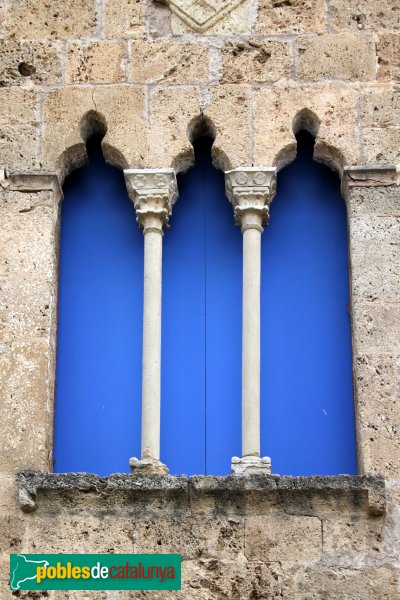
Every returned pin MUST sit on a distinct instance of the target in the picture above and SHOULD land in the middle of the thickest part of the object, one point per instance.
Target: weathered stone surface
(232, 146)
(318, 583)
(375, 328)
(18, 107)
(293, 539)
(380, 107)
(96, 62)
(59, 19)
(171, 111)
(349, 56)
(18, 130)
(388, 50)
(299, 16)
(364, 14)
(168, 61)
(24, 62)
(352, 535)
(124, 18)
(327, 110)
(381, 145)
(120, 107)
(374, 202)
(191, 536)
(255, 61)
(378, 413)
(27, 387)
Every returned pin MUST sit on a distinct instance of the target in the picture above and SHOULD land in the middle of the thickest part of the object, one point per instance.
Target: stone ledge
(366, 490)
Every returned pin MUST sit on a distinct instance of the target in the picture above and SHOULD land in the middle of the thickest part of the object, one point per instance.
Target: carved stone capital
(251, 191)
(153, 192)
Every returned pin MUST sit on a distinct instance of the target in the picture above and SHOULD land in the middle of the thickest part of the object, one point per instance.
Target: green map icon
(24, 569)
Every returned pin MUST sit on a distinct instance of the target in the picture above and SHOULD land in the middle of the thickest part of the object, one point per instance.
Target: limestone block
(194, 536)
(378, 414)
(213, 579)
(171, 111)
(285, 539)
(124, 19)
(237, 21)
(349, 56)
(330, 582)
(373, 202)
(27, 388)
(58, 19)
(19, 147)
(24, 62)
(120, 107)
(375, 328)
(168, 61)
(355, 534)
(18, 131)
(229, 111)
(96, 62)
(80, 533)
(255, 61)
(276, 17)
(12, 530)
(8, 495)
(28, 230)
(18, 106)
(388, 49)
(380, 107)
(381, 145)
(332, 105)
(364, 15)
(375, 271)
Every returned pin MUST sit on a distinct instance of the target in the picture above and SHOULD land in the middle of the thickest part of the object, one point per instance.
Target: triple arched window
(307, 421)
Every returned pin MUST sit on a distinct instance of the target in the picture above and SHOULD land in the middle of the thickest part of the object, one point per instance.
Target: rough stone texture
(25, 62)
(168, 62)
(58, 19)
(389, 57)
(120, 108)
(381, 145)
(284, 539)
(364, 14)
(380, 107)
(293, 16)
(328, 109)
(124, 18)
(96, 62)
(255, 62)
(18, 128)
(349, 56)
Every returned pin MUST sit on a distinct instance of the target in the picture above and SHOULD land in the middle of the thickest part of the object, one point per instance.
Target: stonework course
(150, 76)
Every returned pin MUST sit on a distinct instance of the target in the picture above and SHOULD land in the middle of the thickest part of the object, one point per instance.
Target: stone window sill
(55, 491)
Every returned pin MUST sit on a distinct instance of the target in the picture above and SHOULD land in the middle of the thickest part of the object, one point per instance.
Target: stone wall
(150, 76)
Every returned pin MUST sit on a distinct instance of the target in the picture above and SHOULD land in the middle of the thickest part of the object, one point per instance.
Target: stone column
(250, 191)
(153, 191)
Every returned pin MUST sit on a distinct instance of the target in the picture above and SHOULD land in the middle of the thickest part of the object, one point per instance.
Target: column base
(251, 465)
(147, 466)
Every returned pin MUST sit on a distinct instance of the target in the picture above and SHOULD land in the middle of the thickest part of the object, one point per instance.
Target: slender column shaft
(251, 190)
(151, 378)
(251, 343)
(153, 192)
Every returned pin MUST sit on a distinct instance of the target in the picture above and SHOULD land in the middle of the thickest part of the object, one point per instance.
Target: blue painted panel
(98, 385)
(201, 362)
(307, 393)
